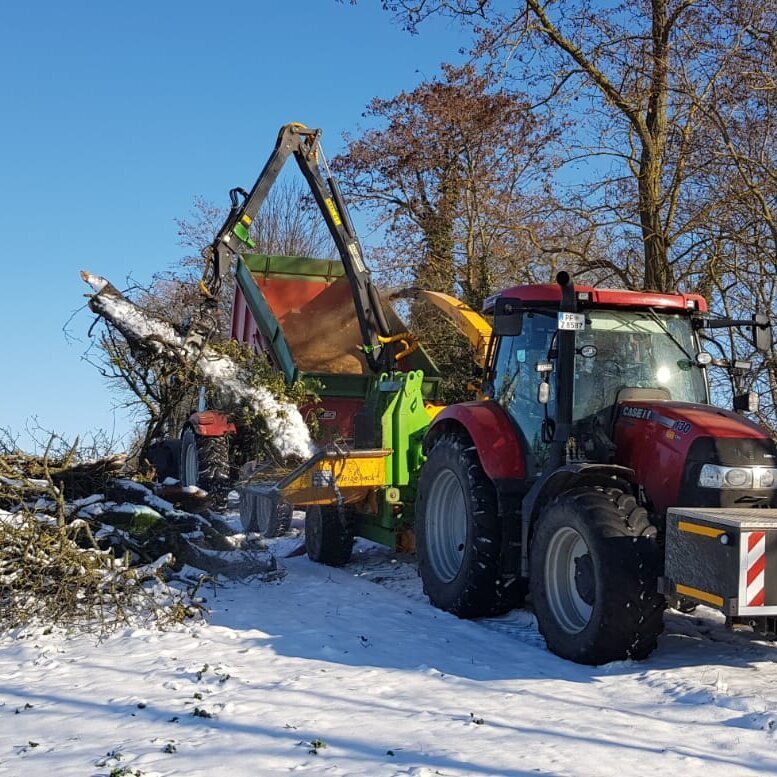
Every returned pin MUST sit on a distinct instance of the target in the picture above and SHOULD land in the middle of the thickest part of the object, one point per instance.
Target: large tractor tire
(458, 537)
(204, 462)
(260, 515)
(328, 535)
(594, 564)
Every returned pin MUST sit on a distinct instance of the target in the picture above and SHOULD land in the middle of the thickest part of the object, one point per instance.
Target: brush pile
(82, 548)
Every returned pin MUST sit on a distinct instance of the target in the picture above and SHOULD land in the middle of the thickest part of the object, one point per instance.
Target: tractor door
(516, 381)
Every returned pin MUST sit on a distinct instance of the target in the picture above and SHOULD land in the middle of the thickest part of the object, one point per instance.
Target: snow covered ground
(352, 672)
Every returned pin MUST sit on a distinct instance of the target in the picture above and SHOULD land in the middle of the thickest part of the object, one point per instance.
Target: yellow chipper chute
(471, 324)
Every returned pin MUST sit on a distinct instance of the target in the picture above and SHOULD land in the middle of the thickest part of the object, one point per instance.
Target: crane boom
(234, 236)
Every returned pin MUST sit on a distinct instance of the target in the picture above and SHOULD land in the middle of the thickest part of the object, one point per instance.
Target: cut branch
(152, 335)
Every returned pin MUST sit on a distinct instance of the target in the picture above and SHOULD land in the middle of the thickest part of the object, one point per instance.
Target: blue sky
(117, 115)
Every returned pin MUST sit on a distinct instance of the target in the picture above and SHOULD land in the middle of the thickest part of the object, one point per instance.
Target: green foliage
(257, 371)
(145, 522)
(125, 771)
(450, 351)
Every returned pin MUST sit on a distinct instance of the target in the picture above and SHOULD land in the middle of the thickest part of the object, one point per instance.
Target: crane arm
(234, 235)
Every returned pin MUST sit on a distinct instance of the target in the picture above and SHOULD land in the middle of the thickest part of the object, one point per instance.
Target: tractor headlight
(715, 476)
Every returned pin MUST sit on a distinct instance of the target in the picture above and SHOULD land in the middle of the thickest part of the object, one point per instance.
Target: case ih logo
(642, 413)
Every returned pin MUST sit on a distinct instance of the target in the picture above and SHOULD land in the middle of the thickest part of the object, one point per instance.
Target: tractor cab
(629, 350)
(621, 346)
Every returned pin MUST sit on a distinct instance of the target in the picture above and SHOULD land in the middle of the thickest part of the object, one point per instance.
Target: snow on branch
(289, 435)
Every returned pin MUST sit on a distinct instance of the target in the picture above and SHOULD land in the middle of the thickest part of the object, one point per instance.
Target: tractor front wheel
(458, 537)
(594, 564)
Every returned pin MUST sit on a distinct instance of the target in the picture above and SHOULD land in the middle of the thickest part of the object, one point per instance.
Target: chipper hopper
(300, 313)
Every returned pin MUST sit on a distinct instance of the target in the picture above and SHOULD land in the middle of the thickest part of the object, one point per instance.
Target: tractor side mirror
(508, 317)
(746, 403)
(762, 332)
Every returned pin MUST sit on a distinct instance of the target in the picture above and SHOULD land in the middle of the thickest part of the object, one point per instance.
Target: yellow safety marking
(330, 206)
(246, 219)
(686, 590)
(695, 528)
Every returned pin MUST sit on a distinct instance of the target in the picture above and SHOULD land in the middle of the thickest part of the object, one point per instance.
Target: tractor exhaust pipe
(565, 374)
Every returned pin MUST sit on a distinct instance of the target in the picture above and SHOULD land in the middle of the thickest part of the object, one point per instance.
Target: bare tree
(637, 78)
(737, 175)
(456, 173)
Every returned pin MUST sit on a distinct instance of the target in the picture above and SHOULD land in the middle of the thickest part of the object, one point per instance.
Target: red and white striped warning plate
(755, 590)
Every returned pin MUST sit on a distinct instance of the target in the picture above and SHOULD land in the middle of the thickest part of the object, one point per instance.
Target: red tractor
(597, 475)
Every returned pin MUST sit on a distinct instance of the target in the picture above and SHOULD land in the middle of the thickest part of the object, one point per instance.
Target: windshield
(635, 350)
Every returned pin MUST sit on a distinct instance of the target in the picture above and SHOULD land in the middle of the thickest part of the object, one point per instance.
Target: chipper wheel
(458, 534)
(204, 462)
(328, 535)
(594, 563)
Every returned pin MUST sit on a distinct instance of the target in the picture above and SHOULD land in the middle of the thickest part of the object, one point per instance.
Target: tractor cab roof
(589, 296)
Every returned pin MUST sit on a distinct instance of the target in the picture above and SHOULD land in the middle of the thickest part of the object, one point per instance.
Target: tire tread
(631, 615)
(479, 589)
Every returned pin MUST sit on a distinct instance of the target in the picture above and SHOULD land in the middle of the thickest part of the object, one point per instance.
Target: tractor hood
(667, 444)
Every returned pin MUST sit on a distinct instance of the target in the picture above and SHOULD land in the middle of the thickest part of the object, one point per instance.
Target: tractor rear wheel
(204, 462)
(328, 535)
(458, 537)
(594, 564)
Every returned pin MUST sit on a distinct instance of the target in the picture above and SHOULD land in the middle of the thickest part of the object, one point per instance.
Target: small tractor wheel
(328, 535)
(594, 566)
(260, 515)
(204, 463)
(458, 534)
